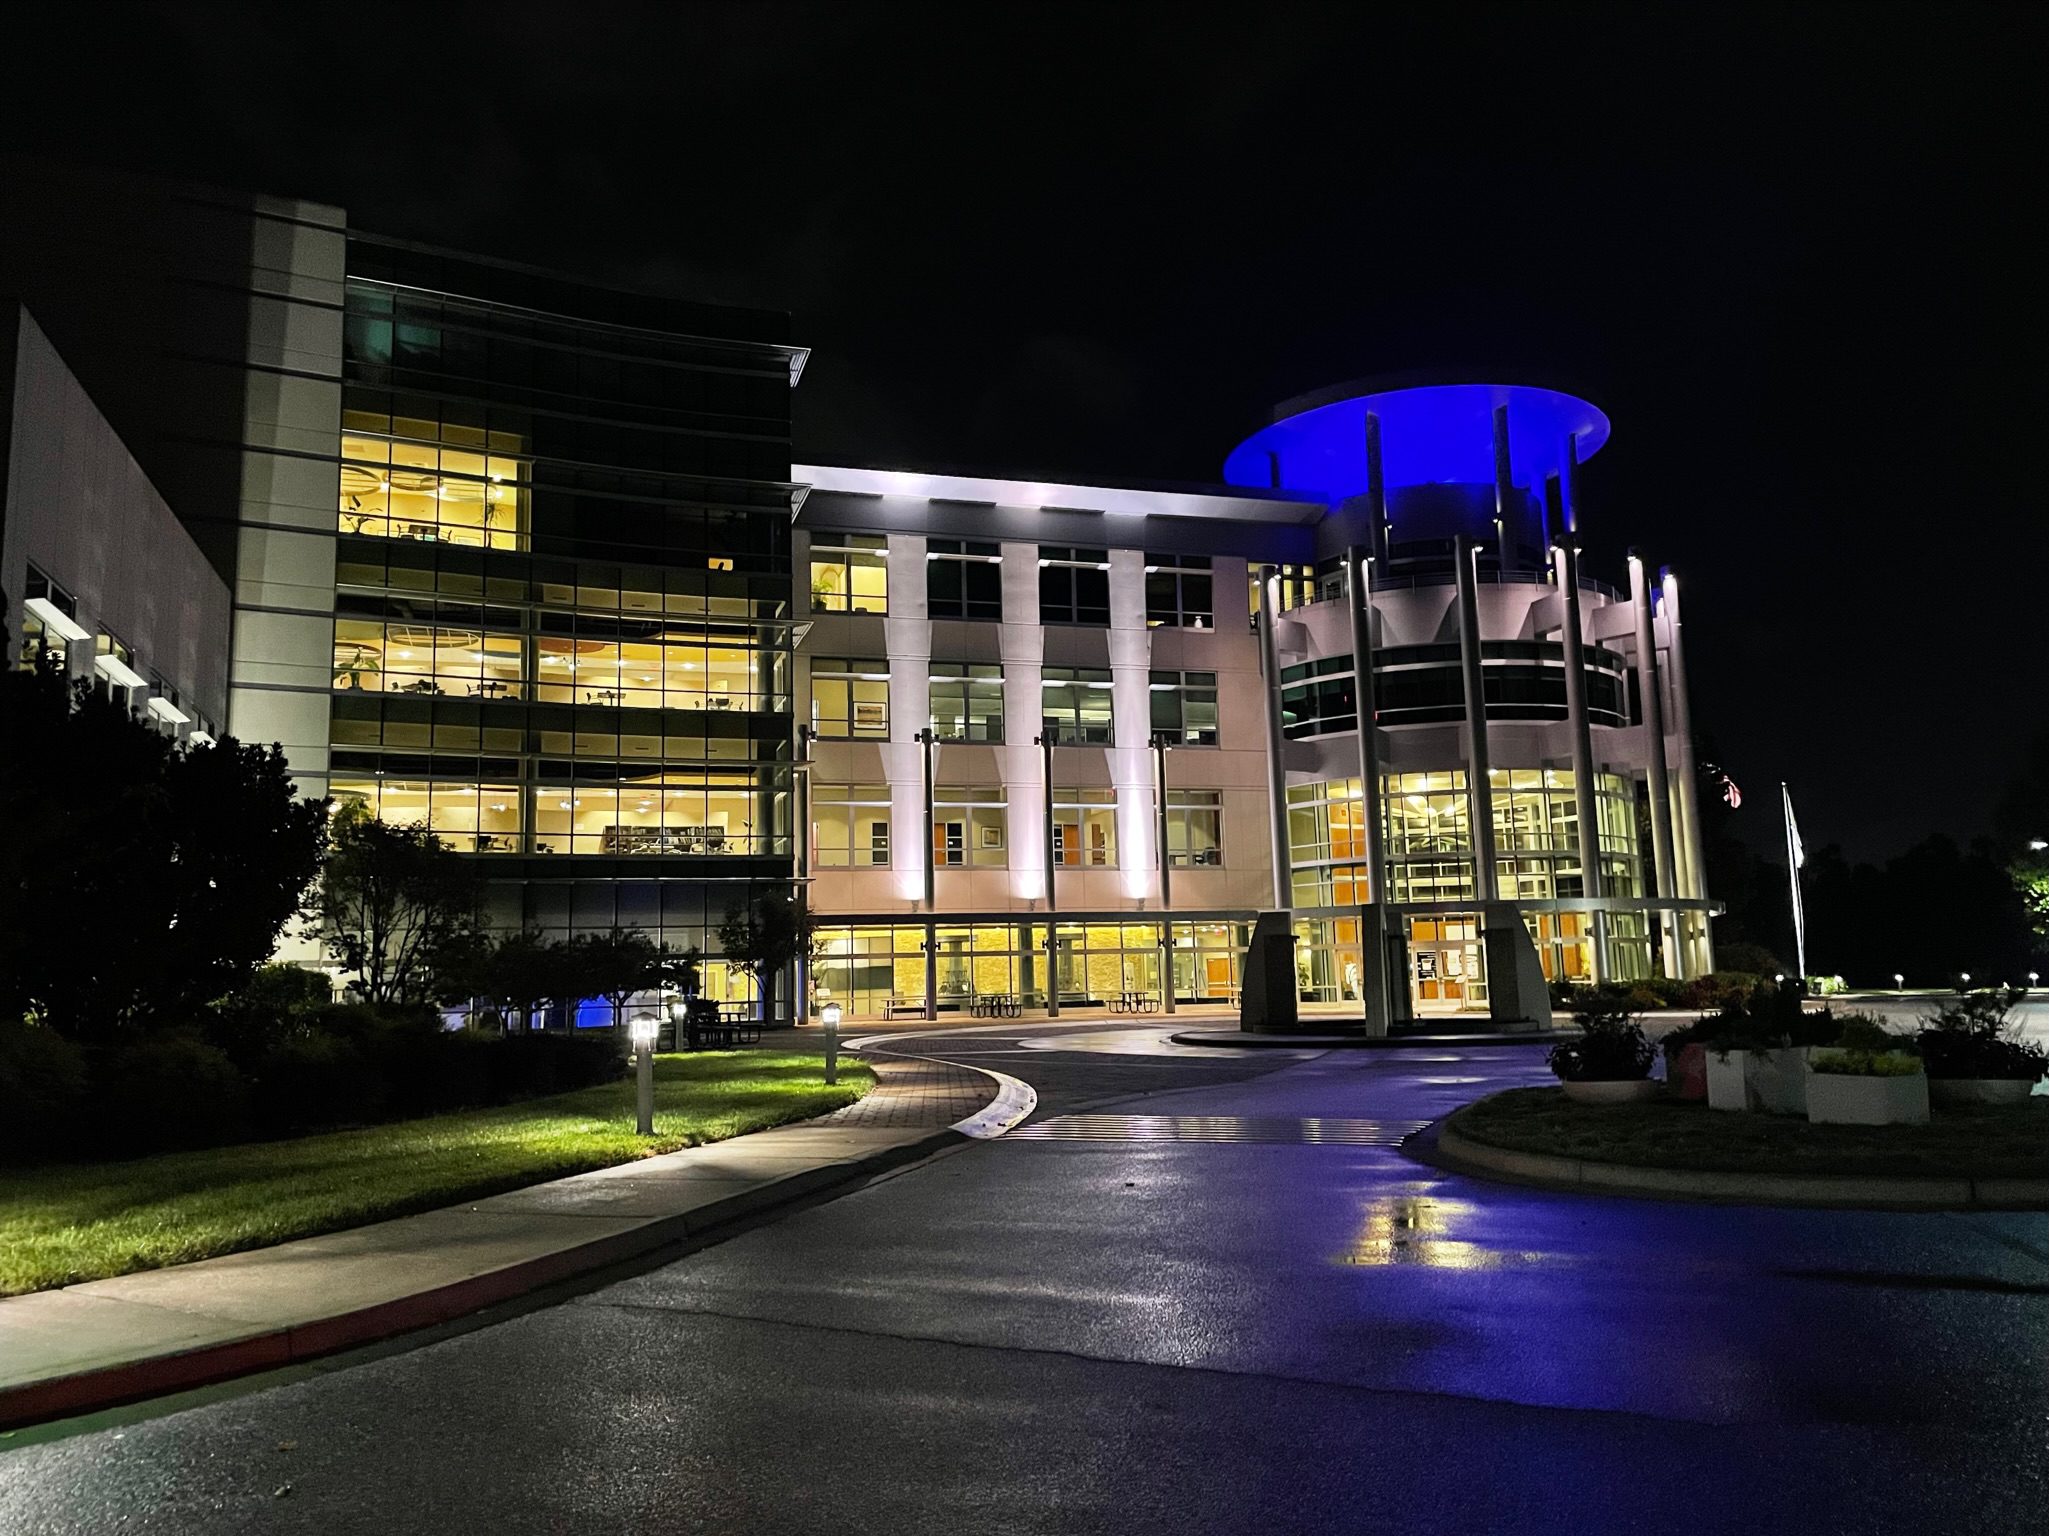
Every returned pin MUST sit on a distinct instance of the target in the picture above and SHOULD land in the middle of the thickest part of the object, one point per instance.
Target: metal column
(1276, 762)
(1689, 776)
(1376, 491)
(1166, 890)
(1654, 757)
(924, 740)
(1373, 987)
(1504, 486)
(1045, 745)
(1479, 788)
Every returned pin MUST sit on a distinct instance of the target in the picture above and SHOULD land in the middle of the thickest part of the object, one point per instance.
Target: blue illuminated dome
(1437, 434)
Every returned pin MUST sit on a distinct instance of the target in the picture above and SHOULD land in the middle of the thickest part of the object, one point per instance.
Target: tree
(140, 878)
(396, 907)
(526, 971)
(617, 963)
(2021, 827)
(765, 937)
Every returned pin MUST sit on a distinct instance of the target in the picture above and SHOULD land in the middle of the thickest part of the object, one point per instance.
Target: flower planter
(1980, 1090)
(1627, 1090)
(1839, 1099)
(1774, 1082)
(1686, 1072)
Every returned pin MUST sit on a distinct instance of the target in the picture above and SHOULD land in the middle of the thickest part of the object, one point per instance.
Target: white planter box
(1833, 1098)
(1628, 1090)
(1979, 1090)
(1774, 1082)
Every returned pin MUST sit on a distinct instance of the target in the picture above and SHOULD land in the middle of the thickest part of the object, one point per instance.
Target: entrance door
(1447, 967)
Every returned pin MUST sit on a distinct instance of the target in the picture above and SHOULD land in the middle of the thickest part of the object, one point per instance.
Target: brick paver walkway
(910, 1094)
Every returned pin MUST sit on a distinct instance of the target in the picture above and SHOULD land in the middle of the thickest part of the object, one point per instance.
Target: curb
(111, 1386)
(1240, 1040)
(1441, 1147)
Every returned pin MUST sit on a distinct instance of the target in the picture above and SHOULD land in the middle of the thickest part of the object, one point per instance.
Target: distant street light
(642, 1032)
(2036, 845)
(1779, 977)
(2033, 977)
(829, 1015)
(1899, 982)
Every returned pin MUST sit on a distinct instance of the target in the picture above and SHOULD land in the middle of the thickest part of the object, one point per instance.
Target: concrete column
(1479, 792)
(1586, 802)
(1654, 755)
(1372, 913)
(1276, 761)
(1689, 780)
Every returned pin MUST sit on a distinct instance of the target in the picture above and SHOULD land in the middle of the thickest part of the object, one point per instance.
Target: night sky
(1792, 252)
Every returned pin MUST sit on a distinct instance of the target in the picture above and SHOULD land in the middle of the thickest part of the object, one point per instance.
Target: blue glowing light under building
(1440, 434)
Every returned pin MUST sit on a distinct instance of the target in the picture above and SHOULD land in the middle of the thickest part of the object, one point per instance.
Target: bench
(904, 1008)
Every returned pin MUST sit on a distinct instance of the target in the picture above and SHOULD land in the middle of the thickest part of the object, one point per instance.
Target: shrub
(1971, 1038)
(1864, 1063)
(1611, 1046)
(43, 1087)
(274, 1007)
(1769, 1017)
(315, 1081)
(169, 1093)
(1718, 989)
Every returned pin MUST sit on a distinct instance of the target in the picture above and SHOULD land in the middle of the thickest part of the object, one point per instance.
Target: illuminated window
(406, 478)
(470, 818)
(849, 573)
(1085, 828)
(1195, 827)
(850, 826)
(967, 701)
(1075, 706)
(849, 699)
(1184, 708)
(656, 813)
(969, 828)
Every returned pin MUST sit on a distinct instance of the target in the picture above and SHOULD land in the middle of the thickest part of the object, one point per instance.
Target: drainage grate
(1234, 1128)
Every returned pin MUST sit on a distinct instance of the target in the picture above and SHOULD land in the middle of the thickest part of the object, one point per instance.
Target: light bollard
(829, 1015)
(642, 1033)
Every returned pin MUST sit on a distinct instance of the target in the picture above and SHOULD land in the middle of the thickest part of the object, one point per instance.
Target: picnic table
(719, 1026)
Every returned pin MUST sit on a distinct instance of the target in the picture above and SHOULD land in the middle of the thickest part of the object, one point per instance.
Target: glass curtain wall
(563, 630)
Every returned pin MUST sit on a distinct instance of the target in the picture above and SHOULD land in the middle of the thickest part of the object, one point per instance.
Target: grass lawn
(63, 1224)
(1977, 1142)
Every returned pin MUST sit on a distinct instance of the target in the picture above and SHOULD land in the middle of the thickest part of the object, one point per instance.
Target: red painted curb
(110, 1386)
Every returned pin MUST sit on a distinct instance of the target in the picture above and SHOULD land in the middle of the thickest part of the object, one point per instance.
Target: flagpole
(1793, 862)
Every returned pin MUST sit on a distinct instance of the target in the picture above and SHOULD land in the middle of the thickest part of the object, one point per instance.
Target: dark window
(1074, 585)
(963, 580)
(1178, 592)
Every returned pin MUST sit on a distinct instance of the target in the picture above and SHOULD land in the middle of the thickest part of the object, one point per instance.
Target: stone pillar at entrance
(1270, 1003)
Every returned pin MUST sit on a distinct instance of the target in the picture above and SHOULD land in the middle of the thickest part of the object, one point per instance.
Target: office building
(525, 559)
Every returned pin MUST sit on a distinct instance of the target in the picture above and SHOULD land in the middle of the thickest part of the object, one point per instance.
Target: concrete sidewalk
(104, 1342)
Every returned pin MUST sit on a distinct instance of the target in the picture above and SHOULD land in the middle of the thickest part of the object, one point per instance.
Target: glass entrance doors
(1447, 965)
